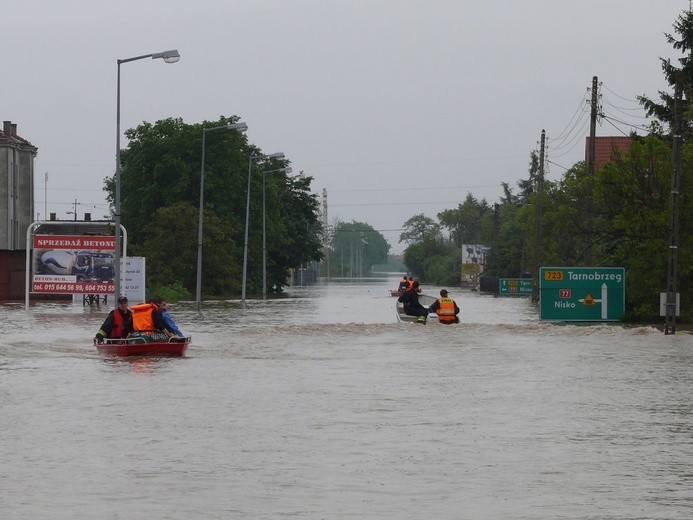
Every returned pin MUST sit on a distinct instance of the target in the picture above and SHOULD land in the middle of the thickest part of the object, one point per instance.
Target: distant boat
(398, 293)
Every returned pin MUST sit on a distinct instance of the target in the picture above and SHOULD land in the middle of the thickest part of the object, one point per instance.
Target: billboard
(473, 263)
(73, 264)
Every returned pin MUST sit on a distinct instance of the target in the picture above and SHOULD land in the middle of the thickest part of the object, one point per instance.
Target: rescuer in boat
(410, 303)
(403, 284)
(446, 308)
(118, 323)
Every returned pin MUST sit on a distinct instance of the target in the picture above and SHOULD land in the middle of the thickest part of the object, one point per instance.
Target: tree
(161, 169)
(681, 40)
(464, 223)
(168, 263)
(419, 227)
(356, 248)
(293, 226)
(632, 196)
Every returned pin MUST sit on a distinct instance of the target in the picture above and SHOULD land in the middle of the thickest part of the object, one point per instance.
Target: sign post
(582, 293)
(516, 286)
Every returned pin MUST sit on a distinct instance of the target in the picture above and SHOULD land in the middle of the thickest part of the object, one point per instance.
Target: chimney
(13, 129)
(87, 217)
(52, 216)
(7, 128)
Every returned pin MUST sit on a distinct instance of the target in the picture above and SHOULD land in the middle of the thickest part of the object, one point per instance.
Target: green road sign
(582, 293)
(516, 286)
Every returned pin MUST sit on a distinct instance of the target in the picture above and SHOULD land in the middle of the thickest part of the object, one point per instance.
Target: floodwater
(319, 405)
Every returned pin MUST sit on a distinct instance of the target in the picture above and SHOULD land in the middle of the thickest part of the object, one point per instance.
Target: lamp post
(171, 56)
(277, 155)
(286, 169)
(239, 127)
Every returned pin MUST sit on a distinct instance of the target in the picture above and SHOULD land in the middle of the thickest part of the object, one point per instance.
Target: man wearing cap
(446, 308)
(118, 323)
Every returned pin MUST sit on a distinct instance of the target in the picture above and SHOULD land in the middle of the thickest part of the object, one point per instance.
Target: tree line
(618, 216)
(160, 193)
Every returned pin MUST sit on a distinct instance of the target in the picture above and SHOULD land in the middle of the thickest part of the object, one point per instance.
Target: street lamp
(286, 169)
(239, 127)
(277, 155)
(171, 56)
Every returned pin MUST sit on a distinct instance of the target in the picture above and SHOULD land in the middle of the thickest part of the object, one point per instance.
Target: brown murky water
(320, 405)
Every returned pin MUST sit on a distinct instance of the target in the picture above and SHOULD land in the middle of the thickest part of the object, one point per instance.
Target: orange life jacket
(446, 311)
(117, 329)
(410, 284)
(142, 319)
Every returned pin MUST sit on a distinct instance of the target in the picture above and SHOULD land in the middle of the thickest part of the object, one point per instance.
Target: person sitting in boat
(168, 320)
(411, 305)
(148, 318)
(403, 284)
(446, 308)
(118, 323)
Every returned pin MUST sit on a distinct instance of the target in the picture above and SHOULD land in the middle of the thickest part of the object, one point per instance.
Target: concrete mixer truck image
(86, 266)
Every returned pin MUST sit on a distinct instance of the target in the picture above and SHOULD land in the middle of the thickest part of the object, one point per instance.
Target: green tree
(161, 168)
(513, 224)
(680, 40)
(464, 223)
(356, 248)
(168, 263)
(419, 227)
(632, 195)
(293, 229)
(433, 260)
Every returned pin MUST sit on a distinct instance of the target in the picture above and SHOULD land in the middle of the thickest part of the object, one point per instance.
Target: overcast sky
(395, 107)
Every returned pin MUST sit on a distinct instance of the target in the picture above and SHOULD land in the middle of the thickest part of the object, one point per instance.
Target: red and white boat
(174, 347)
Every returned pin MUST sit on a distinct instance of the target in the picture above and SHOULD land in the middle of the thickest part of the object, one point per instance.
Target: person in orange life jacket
(403, 284)
(410, 283)
(446, 308)
(118, 323)
(411, 305)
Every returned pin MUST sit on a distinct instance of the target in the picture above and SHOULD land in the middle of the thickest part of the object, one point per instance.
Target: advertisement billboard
(67, 264)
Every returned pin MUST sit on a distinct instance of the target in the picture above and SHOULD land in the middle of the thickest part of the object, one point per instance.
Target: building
(604, 147)
(17, 210)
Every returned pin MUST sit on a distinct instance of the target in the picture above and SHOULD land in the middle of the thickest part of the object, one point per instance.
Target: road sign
(582, 293)
(516, 286)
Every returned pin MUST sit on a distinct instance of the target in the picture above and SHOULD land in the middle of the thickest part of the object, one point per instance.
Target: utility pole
(45, 196)
(672, 265)
(538, 217)
(591, 167)
(326, 233)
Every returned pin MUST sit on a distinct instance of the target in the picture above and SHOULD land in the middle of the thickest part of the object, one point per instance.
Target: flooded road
(319, 405)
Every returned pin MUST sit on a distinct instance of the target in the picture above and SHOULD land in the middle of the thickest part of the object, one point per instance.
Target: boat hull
(424, 300)
(128, 348)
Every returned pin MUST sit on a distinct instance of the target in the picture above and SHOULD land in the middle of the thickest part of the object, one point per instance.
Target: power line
(418, 188)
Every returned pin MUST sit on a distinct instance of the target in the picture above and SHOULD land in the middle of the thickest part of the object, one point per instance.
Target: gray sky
(396, 107)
